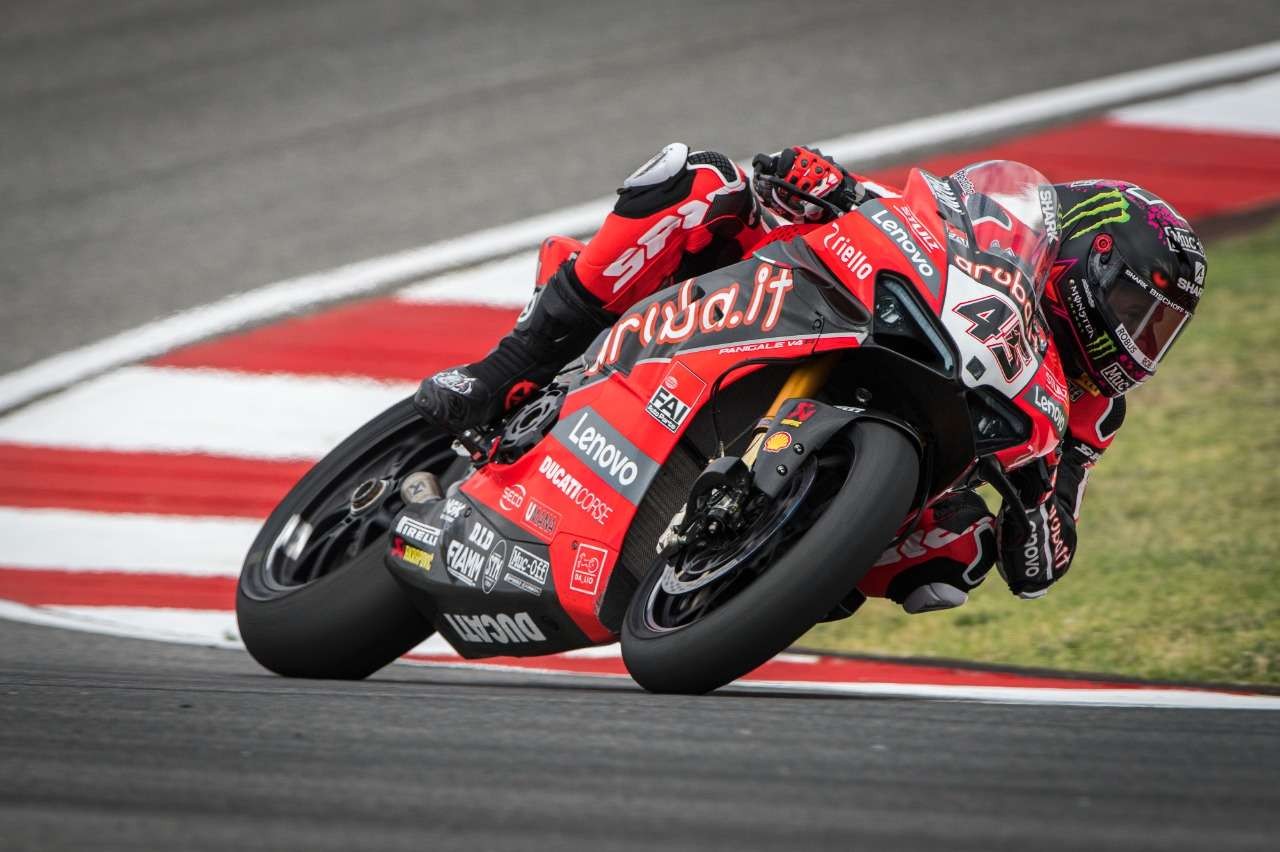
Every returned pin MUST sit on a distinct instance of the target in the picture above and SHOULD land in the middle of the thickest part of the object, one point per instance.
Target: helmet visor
(1151, 319)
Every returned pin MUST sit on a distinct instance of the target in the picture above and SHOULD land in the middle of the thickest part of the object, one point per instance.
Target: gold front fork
(804, 381)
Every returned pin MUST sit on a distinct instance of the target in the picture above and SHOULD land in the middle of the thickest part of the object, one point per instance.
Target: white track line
(505, 283)
(63, 539)
(345, 282)
(1252, 107)
(204, 411)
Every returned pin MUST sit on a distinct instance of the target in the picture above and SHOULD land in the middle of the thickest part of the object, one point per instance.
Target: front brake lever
(990, 470)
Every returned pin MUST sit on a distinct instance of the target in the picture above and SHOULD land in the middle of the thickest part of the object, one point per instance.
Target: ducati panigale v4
(712, 477)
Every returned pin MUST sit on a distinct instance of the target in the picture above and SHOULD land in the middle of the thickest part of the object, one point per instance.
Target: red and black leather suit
(653, 238)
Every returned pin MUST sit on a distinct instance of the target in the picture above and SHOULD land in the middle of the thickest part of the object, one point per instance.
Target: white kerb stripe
(502, 283)
(204, 411)
(1252, 107)
(367, 276)
(62, 539)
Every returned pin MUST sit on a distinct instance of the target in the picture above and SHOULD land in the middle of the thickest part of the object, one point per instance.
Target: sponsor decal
(1011, 283)
(512, 498)
(421, 558)
(493, 567)
(609, 453)
(1101, 346)
(455, 380)
(1053, 384)
(515, 628)
(686, 217)
(584, 498)
(600, 452)
(1031, 564)
(522, 585)
(1075, 304)
(529, 565)
(942, 191)
(464, 563)
(588, 565)
(1117, 378)
(1153, 290)
(667, 408)
(843, 250)
(993, 323)
(1102, 208)
(675, 320)
(799, 413)
(1181, 238)
(1049, 208)
(1042, 400)
(481, 536)
(418, 532)
(672, 402)
(1187, 286)
(453, 507)
(541, 519)
(957, 236)
(901, 237)
(923, 234)
(777, 442)
(1199, 273)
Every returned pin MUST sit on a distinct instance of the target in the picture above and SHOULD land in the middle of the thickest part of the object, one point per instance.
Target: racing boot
(559, 322)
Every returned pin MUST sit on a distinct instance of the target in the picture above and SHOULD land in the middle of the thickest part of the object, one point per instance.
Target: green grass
(1178, 569)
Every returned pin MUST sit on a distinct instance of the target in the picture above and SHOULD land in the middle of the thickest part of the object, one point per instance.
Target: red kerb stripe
(114, 588)
(145, 483)
(382, 339)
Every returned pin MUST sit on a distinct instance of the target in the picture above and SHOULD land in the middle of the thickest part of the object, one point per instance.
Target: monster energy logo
(1105, 207)
(1100, 346)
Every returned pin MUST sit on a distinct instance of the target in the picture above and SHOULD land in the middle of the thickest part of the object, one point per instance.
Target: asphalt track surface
(158, 155)
(124, 744)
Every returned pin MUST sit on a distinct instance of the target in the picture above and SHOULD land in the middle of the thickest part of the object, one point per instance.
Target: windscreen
(1013, 210)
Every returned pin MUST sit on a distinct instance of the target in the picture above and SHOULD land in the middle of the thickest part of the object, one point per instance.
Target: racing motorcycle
(712, 477)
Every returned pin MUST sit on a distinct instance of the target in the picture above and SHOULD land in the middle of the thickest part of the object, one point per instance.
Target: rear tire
(346, 617)
(797, 590)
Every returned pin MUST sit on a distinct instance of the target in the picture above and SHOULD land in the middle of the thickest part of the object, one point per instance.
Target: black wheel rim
(330, 528)
(720, 574)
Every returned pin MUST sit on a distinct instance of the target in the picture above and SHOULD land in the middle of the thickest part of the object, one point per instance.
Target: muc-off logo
(529, 565)
(1183, 239)
(1116, 377)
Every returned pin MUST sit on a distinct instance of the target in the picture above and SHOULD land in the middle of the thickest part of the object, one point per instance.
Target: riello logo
(678, 319)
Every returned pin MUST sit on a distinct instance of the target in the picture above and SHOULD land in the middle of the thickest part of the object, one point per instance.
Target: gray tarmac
(125, 744)
(159, 154)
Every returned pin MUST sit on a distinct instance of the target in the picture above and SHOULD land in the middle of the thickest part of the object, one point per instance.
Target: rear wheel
(315, 599)
(723, 605)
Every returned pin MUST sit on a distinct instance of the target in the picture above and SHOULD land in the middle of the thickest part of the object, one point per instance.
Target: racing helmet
(1129, 274)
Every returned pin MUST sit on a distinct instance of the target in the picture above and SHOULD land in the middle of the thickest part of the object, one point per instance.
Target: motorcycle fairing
(485, 582)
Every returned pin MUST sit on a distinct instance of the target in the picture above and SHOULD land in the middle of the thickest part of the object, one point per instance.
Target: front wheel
(713, 612)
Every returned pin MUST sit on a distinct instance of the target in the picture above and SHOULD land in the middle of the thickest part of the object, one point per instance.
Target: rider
(1129, 274)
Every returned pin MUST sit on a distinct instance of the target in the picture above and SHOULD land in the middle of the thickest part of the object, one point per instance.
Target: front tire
(795, 590)
(332, 609)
